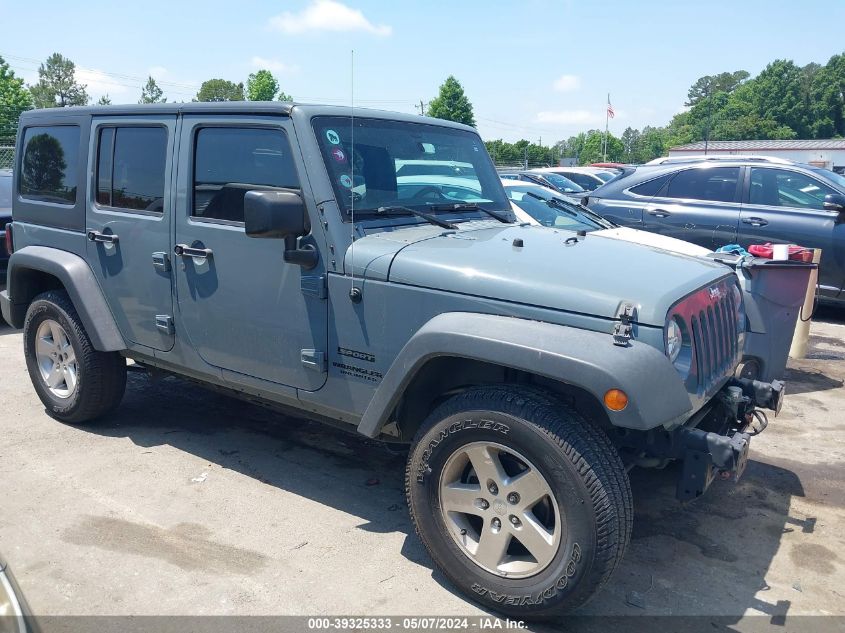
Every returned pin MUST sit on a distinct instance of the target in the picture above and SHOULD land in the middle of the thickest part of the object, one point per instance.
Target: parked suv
(263, 248)
(713, 203)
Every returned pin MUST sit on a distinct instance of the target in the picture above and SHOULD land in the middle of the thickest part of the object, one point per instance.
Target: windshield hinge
(624, 330)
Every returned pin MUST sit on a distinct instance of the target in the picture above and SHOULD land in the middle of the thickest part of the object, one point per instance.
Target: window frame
(231, 125)
(18, 176)
(115, 125)
(746, 197)
(738, 188)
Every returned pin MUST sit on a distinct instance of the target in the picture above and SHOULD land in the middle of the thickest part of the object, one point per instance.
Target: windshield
(415, 165)
(561, 213)
(831, 176)
(587, 182)
(562, 183)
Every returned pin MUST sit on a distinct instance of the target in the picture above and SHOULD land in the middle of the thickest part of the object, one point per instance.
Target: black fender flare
(582, 358)
(79, 282)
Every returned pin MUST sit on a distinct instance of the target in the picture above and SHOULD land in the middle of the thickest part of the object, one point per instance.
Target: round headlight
(674, 339)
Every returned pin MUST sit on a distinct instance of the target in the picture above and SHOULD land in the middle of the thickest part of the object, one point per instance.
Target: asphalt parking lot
(188, 502)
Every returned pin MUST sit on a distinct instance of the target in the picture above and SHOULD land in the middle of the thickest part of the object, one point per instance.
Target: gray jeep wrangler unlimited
(366, 267)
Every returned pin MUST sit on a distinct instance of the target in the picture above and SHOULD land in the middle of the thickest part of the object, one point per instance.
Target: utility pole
(421, 107)
(709, 107)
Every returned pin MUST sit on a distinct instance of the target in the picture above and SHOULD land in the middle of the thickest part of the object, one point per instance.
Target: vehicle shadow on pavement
(6, 329)
(706, 558)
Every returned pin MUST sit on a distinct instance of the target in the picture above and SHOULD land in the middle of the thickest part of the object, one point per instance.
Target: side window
(228, 162)
(651, 187)
(130, 168)
(716, 184)
(784, 188)
(49, 164)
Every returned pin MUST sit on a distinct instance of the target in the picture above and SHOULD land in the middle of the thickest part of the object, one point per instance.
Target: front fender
(79, 282)
(583, 358)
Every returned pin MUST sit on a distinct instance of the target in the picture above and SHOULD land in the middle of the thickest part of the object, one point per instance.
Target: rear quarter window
(650, 187)
(48, 168)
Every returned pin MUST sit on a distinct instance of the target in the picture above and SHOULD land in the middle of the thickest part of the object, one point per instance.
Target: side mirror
(280, 215)
(834, 202)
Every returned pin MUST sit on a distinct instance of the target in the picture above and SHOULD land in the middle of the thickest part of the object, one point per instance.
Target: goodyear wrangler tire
(75, 382)
(523, 504)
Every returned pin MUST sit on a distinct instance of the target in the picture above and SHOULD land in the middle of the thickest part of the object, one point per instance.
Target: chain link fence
(7, 156)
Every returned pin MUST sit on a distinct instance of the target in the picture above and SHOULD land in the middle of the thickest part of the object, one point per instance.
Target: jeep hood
(552, 269)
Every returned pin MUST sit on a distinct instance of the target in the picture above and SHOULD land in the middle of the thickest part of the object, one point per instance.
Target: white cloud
(326, 15)
(273, 65)
(567, 83)
(99, 83)
(157, 72)
(571, 117)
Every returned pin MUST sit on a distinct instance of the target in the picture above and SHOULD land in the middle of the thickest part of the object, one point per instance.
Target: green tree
(630, 145)
(220, 90)
(592, 151)
(14, 99)
(451, 103)
(711, 84)
(261, 86)
(284, 97)
(104, 100)
(776, 95)
(827, 99)
(44, 164)
(57, 86)
(151, 93)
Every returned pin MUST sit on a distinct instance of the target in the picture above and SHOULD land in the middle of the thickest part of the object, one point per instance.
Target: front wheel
(522, 503)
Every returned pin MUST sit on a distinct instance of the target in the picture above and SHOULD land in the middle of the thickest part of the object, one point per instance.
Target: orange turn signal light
(615, 399)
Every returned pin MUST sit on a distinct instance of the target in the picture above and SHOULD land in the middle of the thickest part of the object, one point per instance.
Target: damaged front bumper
(715, 442)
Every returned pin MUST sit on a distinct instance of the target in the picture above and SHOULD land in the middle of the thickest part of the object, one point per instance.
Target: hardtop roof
(233, 107)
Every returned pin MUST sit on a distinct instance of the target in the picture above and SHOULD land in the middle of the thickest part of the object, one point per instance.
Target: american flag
(610, 111)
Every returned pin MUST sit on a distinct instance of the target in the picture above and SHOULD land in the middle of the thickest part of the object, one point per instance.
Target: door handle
(755, 221)
(183, 250)
(106, 238)
(658, 213)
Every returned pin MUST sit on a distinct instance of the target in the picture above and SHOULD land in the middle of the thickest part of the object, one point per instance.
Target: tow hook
(766, 395)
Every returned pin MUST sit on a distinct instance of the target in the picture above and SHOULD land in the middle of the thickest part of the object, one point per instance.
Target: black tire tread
(104, 373)
(587, 447)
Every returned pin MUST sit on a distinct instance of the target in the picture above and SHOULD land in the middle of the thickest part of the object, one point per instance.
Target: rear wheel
(75, 382)
(523, 504)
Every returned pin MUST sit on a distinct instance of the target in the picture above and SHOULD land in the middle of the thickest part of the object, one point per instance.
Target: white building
(827, 153)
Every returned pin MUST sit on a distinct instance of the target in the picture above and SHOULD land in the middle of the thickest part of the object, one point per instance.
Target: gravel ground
(188, 502)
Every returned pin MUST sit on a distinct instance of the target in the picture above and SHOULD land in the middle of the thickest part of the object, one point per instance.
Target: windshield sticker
(346, 181)
(339, 155)
(333, 137)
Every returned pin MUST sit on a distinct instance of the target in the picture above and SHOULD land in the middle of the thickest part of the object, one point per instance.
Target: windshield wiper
(392, 210)
(470, 206)
(582, 212)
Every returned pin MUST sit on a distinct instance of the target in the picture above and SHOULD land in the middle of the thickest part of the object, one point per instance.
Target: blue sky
(532, 69)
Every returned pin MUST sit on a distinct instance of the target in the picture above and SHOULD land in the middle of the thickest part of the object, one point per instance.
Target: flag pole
(606, 121)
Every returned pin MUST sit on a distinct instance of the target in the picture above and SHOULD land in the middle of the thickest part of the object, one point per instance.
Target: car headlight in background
(674, 339)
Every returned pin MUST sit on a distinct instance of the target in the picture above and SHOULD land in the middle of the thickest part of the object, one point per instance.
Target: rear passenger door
(699, 205)
(128, 224)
